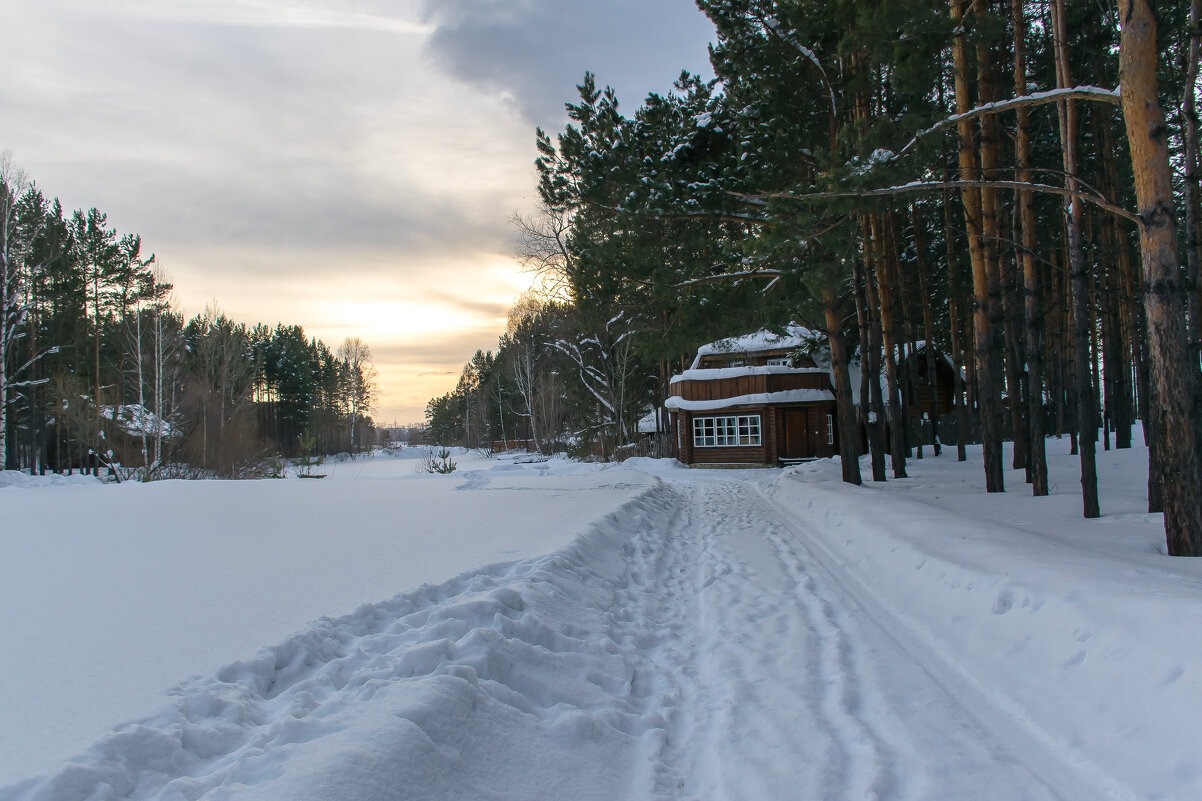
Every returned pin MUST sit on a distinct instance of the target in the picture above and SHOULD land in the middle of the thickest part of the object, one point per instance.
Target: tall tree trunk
(1037, 461)
(872, 405)
(991, 233)
(849, 446)
(1078, 277)
(984, 342)
(889, 303)
(959, 400)
(1120, 289)
(1172, 371)
(928, 332)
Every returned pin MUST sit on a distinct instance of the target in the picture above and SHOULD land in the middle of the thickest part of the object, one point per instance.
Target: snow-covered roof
(763, 340)
(795, 337)
(713, 373)
(755, 399)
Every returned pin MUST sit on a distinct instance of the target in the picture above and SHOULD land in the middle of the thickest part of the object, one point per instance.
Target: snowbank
(505, 675)
(110, 595)
(1084, 632)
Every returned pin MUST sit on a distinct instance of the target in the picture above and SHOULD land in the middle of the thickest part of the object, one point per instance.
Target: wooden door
(796, 431)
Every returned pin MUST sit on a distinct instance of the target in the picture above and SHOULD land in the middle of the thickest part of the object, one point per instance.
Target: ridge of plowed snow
(483, 686)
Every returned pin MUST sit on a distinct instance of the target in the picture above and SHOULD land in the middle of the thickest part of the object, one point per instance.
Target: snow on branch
(757, 272)
(923, 186)
(1096, 93)
(659, 214)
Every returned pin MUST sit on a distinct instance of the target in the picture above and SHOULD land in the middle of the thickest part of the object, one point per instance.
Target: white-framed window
(726, 431)
(780, 361)
(830, 429)
(734, 362)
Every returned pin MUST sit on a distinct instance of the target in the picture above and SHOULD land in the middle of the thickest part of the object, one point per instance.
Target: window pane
(749, 430)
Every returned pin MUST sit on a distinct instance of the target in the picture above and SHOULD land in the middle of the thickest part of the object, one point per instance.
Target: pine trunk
(871, 403)
(953, 311)
(984, 339)
(849, 450)
(1037, 461)
(888, 290)
(1171, 370)
(1078, 278)
(928, 329)
(1119, 288)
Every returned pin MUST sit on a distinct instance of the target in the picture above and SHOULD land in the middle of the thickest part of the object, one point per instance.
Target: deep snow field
(564, 631)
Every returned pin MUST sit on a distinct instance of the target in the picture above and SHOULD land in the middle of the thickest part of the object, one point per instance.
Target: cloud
(536, 51)
(261, 136)
(345, 165)
(269, 14)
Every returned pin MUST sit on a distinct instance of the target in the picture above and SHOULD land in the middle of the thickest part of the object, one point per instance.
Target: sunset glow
(349, 167)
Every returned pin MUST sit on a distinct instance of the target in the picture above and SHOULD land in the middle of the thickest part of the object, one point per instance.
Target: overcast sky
(346, 165)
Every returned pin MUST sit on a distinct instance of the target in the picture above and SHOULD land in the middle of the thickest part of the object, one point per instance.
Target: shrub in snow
(306, 461)
(275, 467)
(437, 461)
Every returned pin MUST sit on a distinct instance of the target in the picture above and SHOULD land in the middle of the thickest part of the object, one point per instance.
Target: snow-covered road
(709, 639)
(780, 679)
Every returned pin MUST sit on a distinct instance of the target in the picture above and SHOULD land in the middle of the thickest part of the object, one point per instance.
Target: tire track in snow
(767, 697)
(998, 753)
(781, 680)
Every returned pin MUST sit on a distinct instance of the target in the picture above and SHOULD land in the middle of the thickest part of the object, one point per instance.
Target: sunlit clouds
(345, 166)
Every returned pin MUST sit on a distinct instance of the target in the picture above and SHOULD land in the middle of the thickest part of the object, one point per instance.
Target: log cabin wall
(945, 383)
(764, 453)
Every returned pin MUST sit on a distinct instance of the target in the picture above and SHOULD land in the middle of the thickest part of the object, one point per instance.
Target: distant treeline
(98, 367)
(554, 382)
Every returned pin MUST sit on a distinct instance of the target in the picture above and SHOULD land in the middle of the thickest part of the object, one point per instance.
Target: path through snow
(780, 681)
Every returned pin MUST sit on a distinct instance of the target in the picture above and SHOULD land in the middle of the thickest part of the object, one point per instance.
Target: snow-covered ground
(111, 595)
(632, 632)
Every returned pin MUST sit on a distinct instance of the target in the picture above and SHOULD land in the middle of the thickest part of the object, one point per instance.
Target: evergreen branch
(771, 26)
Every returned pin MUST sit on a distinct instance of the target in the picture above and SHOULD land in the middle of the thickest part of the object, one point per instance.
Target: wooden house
(912, 371)
(755, 400)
